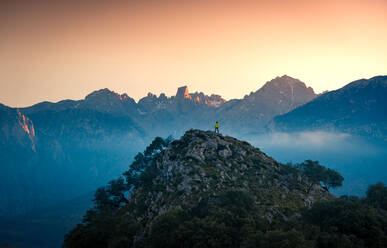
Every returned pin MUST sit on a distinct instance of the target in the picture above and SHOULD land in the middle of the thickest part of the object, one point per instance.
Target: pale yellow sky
(54, 52)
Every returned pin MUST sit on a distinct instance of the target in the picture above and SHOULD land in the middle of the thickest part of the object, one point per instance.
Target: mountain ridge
(105, 93)
(107, 128)
(359, 107)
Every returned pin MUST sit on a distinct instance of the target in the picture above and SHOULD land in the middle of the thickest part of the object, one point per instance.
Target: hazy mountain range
(360, 107)
(54, 151)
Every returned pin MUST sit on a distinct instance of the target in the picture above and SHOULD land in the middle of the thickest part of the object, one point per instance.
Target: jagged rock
(182, 93)
(203, 163)
(193, 173)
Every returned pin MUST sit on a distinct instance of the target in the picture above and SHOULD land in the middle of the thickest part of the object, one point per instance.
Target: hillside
(203, 163)
(201, 177)
(358, 108)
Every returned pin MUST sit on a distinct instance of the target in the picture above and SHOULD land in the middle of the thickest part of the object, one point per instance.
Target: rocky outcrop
(182, 93)
(203, 163)
(212, 101)
(183, 100)
(202, 183)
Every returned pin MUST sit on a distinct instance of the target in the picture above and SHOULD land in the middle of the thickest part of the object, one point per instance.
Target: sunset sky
(50, 50)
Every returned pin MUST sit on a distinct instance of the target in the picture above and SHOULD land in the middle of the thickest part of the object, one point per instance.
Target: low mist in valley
(56, 155)
(360, 160)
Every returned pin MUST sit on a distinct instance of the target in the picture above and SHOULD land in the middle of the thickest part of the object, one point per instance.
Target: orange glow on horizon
(54, 52)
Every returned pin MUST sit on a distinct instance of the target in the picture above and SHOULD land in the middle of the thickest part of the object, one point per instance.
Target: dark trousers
(216, 130)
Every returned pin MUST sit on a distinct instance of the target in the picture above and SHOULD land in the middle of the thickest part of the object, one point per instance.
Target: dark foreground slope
(204, 190)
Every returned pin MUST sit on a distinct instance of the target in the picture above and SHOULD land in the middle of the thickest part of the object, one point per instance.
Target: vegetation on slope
(206, 190)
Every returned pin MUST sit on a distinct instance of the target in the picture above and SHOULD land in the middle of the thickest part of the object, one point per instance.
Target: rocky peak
(163, 97)
(201, 179)
(102, 95)
(106, 95)
(199, 97)
(152, 103)
(203, 163)
(283, 94)
(151, 95)
(278, 96)
(212, 101)
(289, 84)
(105, 100)
(183, 93)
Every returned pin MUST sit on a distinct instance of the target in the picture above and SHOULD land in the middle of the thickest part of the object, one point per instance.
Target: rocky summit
(202, 177)
(203, 163)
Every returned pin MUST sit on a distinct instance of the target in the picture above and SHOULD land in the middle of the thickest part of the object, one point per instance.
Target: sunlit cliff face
(28, 127)
(65, 49)
(182, 93)
(26, 124)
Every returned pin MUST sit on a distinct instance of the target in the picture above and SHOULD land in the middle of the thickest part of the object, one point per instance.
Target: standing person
(216, 127)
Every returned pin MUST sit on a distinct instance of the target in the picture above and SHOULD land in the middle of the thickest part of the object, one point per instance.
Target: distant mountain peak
(277, 96)
(287, 77)
(357, 108)
(199, 97)
(150, 94)
(285, 81)
(107, 95)
(183, 93)
(102, 93)
(124, 97)
(105, 100)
